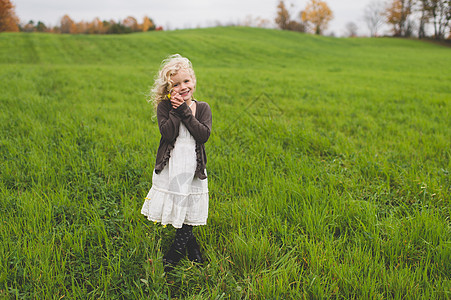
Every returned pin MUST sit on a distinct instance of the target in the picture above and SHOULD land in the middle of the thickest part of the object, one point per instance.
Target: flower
(169, 96)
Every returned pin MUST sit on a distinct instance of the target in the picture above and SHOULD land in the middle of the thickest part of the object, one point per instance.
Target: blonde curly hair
(163, 84)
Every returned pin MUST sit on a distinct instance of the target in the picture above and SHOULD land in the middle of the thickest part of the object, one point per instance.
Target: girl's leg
(193, 249)
(178, 247)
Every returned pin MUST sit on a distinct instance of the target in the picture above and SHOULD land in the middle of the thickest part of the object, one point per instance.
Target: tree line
(405, 17)
(128, 25)
(409, 16)
(10, 22)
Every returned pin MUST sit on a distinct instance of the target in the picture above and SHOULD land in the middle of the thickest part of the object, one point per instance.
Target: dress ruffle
(176, 209)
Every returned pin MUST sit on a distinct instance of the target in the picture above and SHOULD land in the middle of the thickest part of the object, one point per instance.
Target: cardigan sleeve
(168, 121)
(199, 126)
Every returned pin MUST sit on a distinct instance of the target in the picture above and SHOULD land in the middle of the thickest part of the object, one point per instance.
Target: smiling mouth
(184, 94)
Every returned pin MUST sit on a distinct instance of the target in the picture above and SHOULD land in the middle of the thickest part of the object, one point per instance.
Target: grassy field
(328, 167)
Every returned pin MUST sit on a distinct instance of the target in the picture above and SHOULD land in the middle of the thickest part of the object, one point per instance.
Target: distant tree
(67, 25)
(283, 19)
(118, 28)
(107, 25)
(351, 29)
(40, 27)
(8, 18)
(147, 24)
(263, 23)
(55, 29)
(397, 14)
(374, 16)
(317, 15)
(131, 23)
(437, 11)
(96, 27)
(283, 16)
(440, 11)
(29, 27)
(423, 7)
(297, 26)
(80, 27)
(250, 21)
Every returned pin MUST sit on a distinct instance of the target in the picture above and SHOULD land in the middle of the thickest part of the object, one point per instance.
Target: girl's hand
(176, 99)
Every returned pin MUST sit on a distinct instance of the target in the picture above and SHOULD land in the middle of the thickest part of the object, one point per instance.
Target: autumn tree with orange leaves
(96, 27)
(147, 24)
(68, 25)
(8, 18)
(397, 14)
(132, 23)
(317, 16)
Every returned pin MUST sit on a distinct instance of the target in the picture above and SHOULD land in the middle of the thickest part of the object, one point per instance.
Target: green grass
(328, 167)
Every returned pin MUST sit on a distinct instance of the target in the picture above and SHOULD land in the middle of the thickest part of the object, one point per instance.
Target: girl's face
(183, 84)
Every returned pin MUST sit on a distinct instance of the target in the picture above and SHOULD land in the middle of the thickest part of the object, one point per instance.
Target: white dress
(177, 197)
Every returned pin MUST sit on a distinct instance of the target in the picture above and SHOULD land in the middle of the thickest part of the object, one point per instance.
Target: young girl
(179, 193)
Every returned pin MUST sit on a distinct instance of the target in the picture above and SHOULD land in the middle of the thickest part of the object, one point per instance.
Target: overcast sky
(178, 14)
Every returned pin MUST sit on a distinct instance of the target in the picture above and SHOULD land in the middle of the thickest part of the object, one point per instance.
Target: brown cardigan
(169, 122)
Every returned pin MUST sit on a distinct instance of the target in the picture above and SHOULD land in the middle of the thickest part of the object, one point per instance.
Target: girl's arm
(168, 121)
(199, 128)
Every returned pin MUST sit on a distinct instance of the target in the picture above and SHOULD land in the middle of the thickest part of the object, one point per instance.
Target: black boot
(178, 247)
(193, 250)
(170, 259)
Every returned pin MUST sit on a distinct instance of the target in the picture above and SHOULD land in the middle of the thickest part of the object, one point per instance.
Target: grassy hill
(328, 166)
